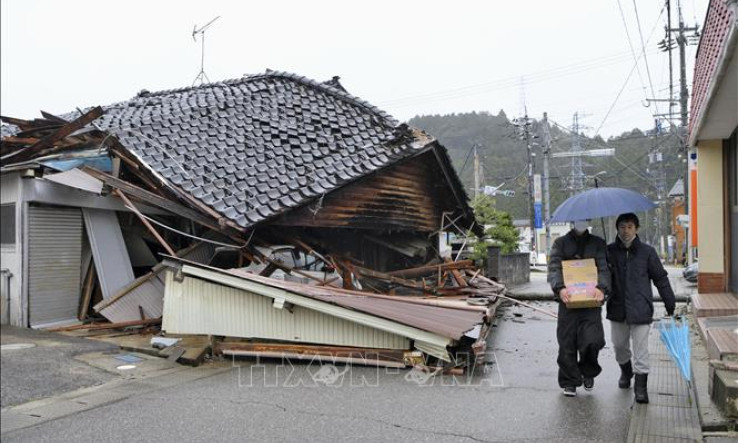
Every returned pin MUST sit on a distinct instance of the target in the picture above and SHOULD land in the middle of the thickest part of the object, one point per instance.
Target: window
(7, 225)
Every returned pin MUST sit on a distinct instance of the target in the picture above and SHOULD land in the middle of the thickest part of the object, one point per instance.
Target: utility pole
(668, 44)
(524, 125)
(476, 172)
(546, 194)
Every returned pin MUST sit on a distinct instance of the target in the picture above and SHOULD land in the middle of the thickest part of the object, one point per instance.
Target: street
(515, 397)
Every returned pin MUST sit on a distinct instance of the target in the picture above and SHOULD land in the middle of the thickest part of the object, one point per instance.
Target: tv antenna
(202, 77)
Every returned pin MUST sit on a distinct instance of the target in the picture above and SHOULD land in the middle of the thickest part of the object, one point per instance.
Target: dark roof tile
(254, 136)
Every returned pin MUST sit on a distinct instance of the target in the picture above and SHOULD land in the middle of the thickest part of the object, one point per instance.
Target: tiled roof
(254, 147)
(718, 23)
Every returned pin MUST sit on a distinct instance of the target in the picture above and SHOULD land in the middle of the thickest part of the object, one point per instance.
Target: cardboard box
(580, 278)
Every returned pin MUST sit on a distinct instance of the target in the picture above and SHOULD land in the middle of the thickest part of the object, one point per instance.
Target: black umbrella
(601, 202)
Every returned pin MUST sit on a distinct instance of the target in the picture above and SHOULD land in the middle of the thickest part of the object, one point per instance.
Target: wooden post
(146, 223)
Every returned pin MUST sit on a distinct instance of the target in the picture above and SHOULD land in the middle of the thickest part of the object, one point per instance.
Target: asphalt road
(46, 366)
(515, 398)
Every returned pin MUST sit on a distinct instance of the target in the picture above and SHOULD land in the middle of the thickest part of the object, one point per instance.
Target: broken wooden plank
(328, 354)
(98, 326)
(40, 147)
(386, 277)
(150, 198)
(430, 269)
(87, 289)
(54, 118)
(457, 275)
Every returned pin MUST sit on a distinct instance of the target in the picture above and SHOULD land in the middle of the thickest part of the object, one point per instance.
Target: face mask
(581, 225)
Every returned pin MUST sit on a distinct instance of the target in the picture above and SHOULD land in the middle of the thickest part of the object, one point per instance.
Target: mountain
(503, 158)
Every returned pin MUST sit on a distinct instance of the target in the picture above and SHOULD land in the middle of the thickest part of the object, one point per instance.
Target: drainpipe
(5, 274)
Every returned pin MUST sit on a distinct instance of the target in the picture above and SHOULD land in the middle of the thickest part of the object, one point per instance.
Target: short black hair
(628, 217)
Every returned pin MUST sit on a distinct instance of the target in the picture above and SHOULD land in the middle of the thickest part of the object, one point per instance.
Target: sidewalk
(672, 413)
(678, 411)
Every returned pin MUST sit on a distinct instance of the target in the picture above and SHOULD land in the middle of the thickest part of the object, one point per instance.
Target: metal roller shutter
(54, 264)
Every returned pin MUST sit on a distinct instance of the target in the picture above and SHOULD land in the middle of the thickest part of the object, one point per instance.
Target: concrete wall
(710, 215)
(508, 269)
(11, 255)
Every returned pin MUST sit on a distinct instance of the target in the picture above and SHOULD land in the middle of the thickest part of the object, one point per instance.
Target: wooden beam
(93, 326)
(386, 277)
(152, 199)
(146, 223)
(457, 275)
(41, 146)
(87, 289)
(431, 269)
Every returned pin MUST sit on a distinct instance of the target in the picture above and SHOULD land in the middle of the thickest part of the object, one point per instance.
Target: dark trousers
(580, 336)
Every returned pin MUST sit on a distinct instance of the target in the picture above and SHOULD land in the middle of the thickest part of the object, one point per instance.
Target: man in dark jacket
(630, 307)
(579, 332)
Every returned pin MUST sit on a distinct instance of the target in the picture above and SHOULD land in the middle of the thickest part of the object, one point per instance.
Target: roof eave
(715, 80)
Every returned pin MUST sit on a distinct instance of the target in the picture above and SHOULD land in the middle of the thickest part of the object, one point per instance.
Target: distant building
(540, 256)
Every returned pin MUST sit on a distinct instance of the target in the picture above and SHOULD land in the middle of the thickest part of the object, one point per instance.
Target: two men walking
(625, 270)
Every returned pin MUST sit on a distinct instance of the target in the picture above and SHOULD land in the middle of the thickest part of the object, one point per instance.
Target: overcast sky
(407, 57)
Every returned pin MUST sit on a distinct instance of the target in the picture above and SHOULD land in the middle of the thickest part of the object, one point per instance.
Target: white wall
(710, 204)
(10, 256)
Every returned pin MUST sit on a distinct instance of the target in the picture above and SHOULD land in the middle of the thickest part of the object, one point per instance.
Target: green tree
(498, 227)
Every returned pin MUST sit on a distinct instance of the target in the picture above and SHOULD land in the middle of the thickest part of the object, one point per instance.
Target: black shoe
(570, 391)
(626, 373)
(589, 383)
(641, 388)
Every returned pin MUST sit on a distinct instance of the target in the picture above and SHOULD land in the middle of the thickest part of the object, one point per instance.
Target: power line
(503, 83)
(630, 44)
(635, 66)
(643, 49)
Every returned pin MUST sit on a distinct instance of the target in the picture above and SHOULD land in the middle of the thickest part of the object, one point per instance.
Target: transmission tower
(577, 178)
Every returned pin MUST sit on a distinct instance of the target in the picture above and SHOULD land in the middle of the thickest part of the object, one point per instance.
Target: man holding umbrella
(579, 332)
(630, 307)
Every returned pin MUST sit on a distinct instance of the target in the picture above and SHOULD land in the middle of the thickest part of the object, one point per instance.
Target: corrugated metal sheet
(195, 306)
(54, 262)
(448, 322)
(149, 295)
(298, 296)
(112, 263)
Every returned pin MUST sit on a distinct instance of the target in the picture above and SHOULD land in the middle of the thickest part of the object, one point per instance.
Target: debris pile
(278, 215)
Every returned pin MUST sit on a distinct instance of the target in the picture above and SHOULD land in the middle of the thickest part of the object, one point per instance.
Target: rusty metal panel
(195, 306)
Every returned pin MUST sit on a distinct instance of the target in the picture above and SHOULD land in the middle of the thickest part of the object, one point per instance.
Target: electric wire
(643, 49)
(631, 71)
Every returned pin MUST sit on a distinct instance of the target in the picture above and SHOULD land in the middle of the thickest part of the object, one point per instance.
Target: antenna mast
(202, 77)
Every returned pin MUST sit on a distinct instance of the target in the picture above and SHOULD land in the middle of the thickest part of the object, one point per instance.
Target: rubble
(268, 189)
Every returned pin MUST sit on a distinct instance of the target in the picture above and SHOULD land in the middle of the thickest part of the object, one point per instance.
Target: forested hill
(503, 157)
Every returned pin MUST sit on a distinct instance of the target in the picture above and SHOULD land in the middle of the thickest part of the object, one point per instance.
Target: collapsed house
(291, 216)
